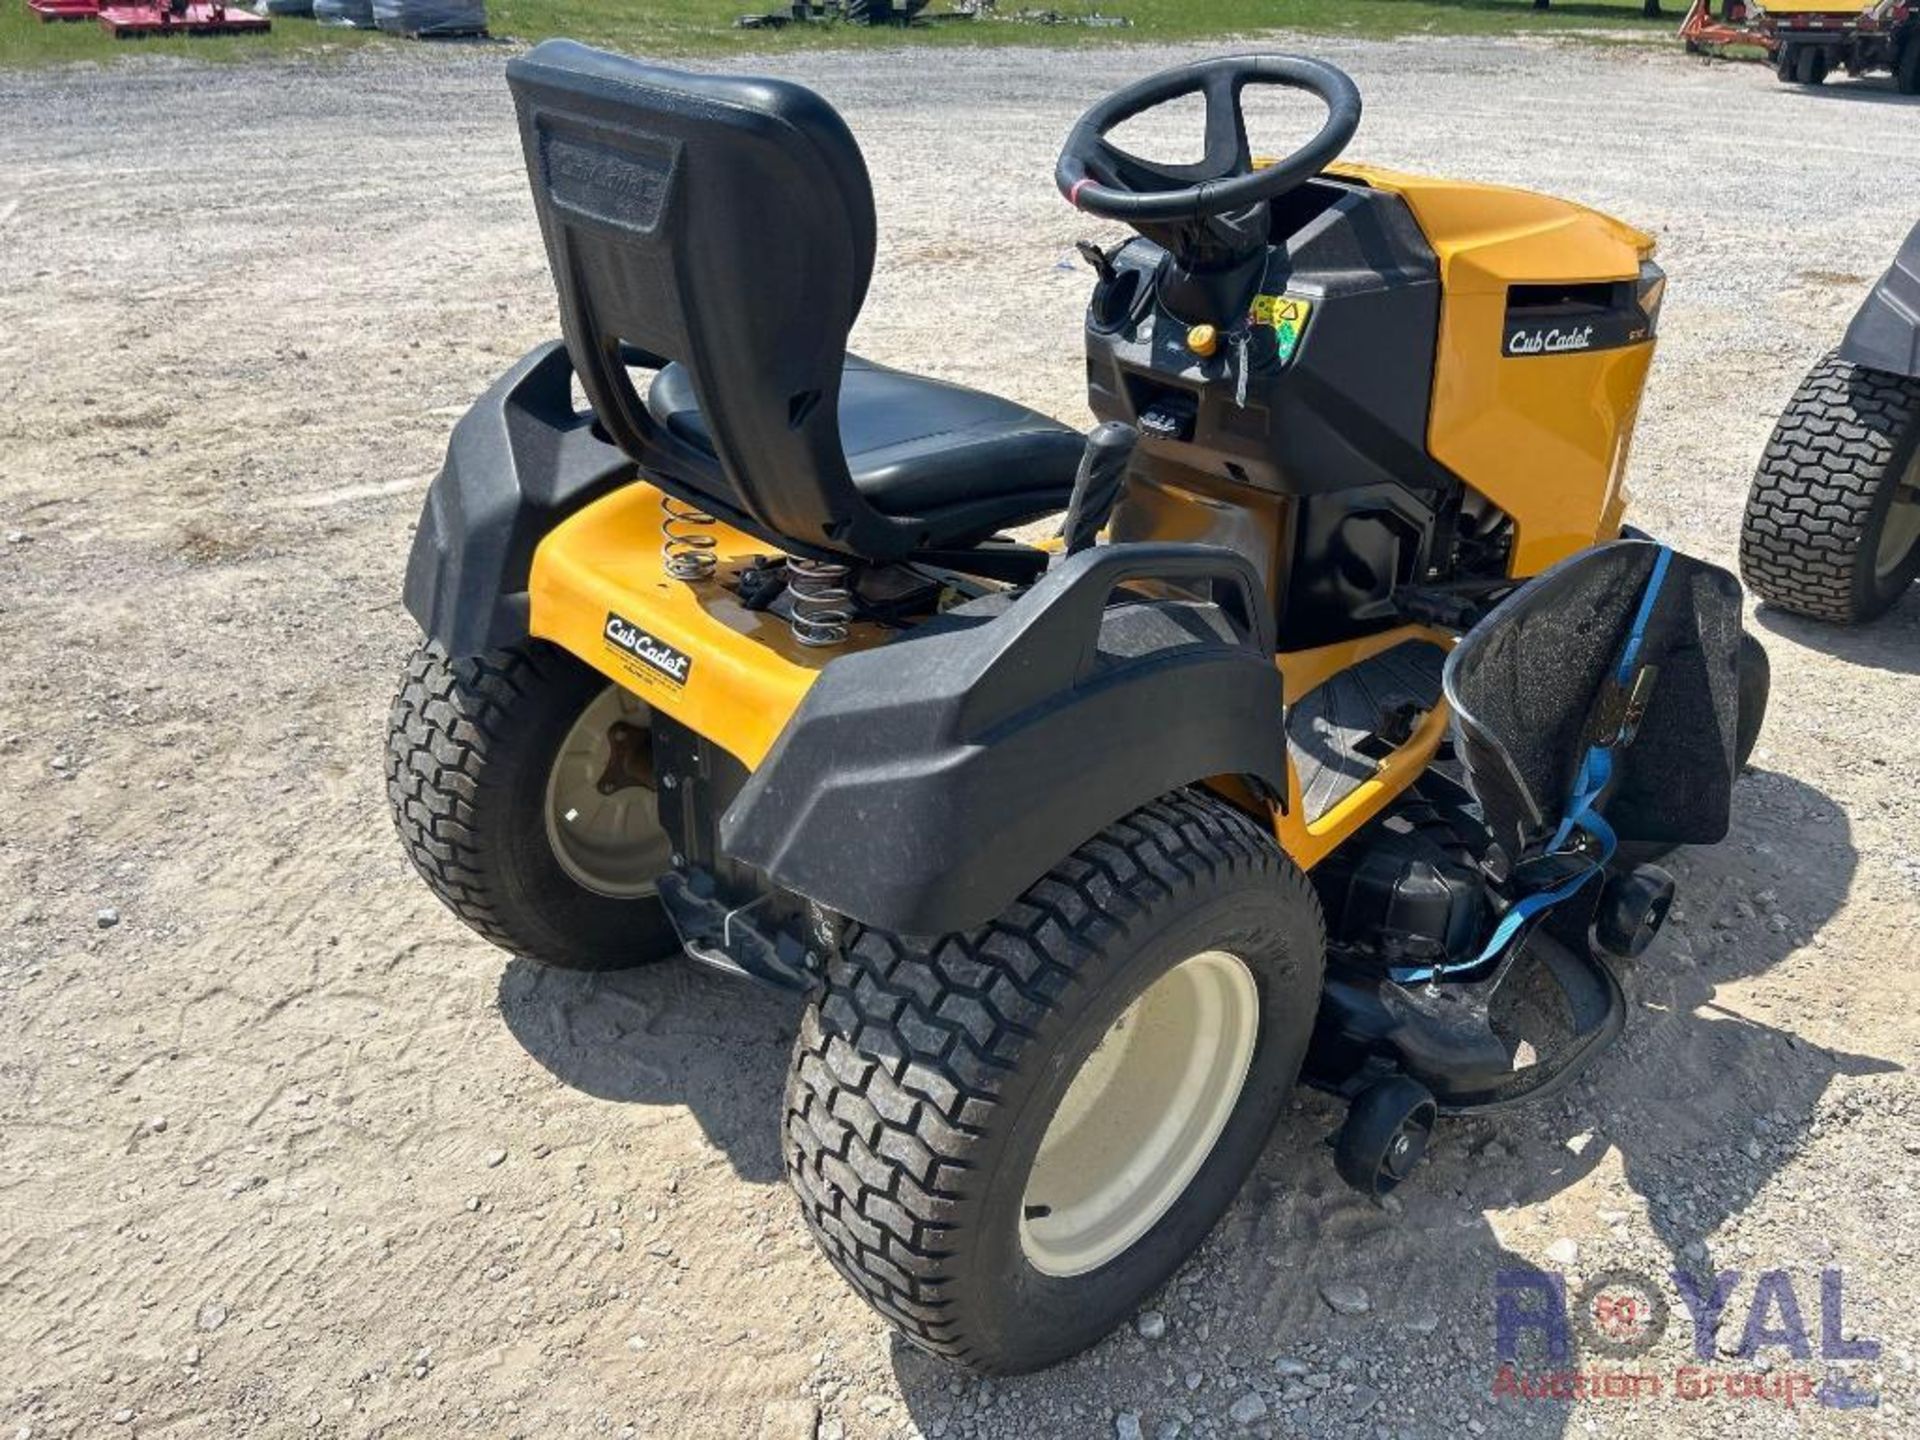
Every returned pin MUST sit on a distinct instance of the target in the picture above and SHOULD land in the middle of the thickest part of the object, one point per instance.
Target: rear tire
(928, 1073)
(1832, 526)
(472, 750)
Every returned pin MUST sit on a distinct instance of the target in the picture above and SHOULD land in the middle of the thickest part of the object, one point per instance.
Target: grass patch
(705, 27)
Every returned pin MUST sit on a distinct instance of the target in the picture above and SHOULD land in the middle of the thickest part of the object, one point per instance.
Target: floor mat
(1330, 731)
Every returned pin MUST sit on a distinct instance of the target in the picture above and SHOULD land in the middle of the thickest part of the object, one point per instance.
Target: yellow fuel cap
(1203, 340)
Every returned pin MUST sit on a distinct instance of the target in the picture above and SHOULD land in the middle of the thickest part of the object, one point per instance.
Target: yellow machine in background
(1807, 40)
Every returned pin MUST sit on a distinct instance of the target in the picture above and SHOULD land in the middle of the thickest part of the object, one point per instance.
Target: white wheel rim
(603, 822)
(1141, 1116)
(1901, 532)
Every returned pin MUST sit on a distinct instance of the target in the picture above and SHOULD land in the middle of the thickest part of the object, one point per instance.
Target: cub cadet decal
(1548, 339)
(1604, 317)
(1288, 317)
(659, 658)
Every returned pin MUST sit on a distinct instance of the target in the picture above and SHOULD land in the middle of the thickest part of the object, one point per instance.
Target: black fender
(922, 785)
(1885, 333)
(519, 461)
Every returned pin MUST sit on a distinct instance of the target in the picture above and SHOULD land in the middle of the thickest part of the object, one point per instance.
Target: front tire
(491, 768)
(1006, 1139)
(1832, 527)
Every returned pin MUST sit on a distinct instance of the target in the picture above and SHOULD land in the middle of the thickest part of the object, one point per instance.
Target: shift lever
(1103, 465)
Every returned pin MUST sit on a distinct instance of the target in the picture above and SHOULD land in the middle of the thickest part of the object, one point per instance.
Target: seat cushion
(961, 462)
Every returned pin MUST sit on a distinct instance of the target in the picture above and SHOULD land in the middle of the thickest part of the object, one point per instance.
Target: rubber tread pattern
(445, 718)
(1804, 534)
(905, 1048)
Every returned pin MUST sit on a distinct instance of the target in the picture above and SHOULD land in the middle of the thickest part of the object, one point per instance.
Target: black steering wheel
(1098, 177)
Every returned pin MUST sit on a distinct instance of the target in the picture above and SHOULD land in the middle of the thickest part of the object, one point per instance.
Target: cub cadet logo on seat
(649, 650)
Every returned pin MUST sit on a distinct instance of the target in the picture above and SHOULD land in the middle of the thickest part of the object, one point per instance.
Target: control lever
(1101, 262)
(1103, 465)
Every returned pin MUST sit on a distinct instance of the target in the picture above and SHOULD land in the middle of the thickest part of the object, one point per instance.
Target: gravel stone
(1247, 1409)
(1345, 1298)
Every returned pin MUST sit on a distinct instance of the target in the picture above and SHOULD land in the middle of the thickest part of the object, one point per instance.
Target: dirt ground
(285, 1150)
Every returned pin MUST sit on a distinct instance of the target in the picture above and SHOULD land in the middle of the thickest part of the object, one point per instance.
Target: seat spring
(821, 599)
(687, 554)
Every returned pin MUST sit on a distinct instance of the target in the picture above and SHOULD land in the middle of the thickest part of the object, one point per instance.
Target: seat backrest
(726, 224)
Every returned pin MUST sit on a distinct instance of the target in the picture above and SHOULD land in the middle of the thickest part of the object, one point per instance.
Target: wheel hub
(602, 818)
(1141, 1115)
(1901, 532)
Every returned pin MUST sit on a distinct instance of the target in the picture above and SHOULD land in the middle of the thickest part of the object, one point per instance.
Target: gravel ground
(287, 1151)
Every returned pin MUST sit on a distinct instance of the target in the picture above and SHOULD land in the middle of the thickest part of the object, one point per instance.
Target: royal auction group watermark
(1785, 1354)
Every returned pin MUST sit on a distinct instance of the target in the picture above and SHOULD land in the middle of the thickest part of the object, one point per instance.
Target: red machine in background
(1807, 40)
(156, 17)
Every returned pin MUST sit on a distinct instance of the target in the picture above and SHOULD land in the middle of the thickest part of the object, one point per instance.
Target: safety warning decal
(1288, 317)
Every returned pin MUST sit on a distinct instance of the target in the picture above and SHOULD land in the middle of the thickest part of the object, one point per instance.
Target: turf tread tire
(901, 1055)
(454, 728)
(1811, 527)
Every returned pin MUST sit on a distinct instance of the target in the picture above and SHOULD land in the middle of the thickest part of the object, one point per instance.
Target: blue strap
(1630, 656)
(1582, 816)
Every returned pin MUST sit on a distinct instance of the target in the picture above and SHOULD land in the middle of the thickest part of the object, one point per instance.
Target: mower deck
(126, 22)
(65, 9)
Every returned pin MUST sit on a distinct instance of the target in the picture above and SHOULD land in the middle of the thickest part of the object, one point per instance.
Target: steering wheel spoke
(1227, 152)
(1123, 170)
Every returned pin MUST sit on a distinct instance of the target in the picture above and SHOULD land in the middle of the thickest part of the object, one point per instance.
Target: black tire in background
(1842, 457)
(1906, 69)
(470, 747)
(927, 1073)
(1811, 65)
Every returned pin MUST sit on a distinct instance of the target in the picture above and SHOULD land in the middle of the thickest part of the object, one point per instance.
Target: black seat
(720, 231)
(959, 462)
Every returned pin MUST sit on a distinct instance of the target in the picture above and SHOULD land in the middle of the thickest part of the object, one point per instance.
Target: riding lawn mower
(1334, 737)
